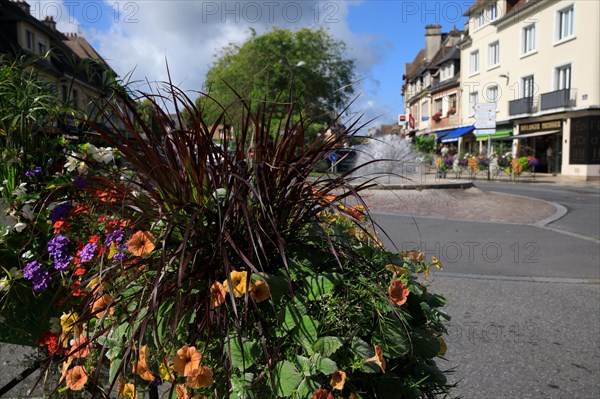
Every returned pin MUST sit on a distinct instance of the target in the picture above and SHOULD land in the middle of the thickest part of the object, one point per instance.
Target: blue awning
(456, 133)
(440, 134)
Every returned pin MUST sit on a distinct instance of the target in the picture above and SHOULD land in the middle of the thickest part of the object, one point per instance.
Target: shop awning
(535, 134)
(456, 133)
(499, 134)
(440, 134)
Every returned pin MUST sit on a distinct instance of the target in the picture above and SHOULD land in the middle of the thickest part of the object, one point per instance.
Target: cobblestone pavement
(464, 204)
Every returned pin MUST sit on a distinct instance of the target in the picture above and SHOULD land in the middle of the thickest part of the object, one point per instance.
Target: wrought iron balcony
(557, 99)
(523, 105)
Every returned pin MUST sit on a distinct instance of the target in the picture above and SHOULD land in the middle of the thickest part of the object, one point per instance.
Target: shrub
(225, 275)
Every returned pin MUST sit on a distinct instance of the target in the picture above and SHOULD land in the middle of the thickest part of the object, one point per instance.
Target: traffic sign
(485, 123)
(333, 157)
(484, 132)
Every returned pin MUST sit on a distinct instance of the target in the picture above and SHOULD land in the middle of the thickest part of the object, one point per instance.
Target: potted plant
(437, 116)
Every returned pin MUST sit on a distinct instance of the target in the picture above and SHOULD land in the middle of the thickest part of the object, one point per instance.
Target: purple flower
(38, 277)
(114, 236)
(33, 172)
(533, 162)
(87, 253)
(60, 212)
(57, 248)
(80, 182)
(449, 161)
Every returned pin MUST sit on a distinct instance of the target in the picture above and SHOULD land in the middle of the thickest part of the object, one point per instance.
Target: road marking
(556, 280)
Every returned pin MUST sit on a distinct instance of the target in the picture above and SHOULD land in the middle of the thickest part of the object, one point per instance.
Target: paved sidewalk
(470, 204)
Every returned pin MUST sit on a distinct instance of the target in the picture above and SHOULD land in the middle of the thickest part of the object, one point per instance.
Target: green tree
(306, 68)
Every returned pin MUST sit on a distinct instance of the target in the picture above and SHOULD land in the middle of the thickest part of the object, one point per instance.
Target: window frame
(529, 40)
(29, 40)
(492, 16)
(558, 80)
(560, 35)
(474, 64)
(527, 89)
(494, 53)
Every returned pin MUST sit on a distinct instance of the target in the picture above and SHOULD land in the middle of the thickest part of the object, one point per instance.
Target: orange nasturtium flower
(102, 306)
(186, 360)
(414, 256)
(181, 391)
(217, 294)
(238, 281)
(260, 291)
(76, 378)
(81, 347)
(436, 262)
(378, 359)
(141, 366)
(141, 243)
(201, 377)
(338, 379)
(398, 292)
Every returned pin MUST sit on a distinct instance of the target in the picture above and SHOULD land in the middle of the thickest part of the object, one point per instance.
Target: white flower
(103, 154)
(19, 227)
(27, 211)
(20, 191)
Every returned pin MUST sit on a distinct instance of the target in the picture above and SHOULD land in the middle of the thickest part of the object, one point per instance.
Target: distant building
(431, 88)
(66, 61)
(539, 62)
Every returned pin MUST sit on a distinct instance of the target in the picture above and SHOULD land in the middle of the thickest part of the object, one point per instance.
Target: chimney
(49, 22)
(24, 6)
(433, 40)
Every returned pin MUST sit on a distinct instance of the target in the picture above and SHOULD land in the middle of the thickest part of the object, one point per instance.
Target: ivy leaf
(285, 379)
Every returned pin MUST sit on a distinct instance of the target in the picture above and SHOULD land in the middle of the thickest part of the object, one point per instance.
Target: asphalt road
(524, 299)
(581, 202)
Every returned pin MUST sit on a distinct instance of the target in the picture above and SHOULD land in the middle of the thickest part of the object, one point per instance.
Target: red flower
(50, 340)
(94, 239)
(79, 271)
(322, 394)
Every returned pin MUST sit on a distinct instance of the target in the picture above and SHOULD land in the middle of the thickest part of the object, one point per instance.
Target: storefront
(542, 140)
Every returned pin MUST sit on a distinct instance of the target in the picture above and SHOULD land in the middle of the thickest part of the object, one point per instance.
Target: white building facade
(539, 62)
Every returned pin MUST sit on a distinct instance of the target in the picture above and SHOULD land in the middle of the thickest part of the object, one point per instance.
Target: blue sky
(137, 36)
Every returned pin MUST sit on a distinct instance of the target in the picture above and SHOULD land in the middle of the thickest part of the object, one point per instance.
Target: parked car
(346, 160)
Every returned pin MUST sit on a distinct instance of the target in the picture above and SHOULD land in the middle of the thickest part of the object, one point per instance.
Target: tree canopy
(306, 67)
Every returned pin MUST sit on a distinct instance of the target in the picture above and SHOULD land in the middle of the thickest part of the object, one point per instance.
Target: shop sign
(540, 126)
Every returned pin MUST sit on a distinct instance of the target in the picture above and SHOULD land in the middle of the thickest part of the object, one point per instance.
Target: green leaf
(292, 316)
(306, 389)
(361, 348)
(327, 346)
(425, 343)
(241, 386)
(306, 333)
(391, 337)
(317, 287)
(244, 356)
(304, 364)
(285, 379)
(278, 286)
(115, 365)
(324, 364)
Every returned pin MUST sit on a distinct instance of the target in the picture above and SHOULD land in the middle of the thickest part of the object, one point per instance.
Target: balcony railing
(523, 105)
(557, 99)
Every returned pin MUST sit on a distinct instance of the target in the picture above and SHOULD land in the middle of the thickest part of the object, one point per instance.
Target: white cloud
(142, 36)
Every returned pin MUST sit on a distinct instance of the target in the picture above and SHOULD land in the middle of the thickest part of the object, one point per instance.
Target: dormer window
(492, 12)
(479, 19)
(447, 71)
